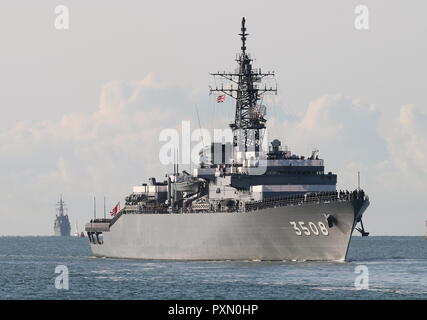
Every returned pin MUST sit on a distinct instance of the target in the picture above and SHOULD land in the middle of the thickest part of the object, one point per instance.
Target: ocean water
(397, 269)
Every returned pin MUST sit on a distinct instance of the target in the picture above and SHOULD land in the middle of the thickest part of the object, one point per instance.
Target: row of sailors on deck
(316, 196)
(100, 220)
(341, 194)
(355, 194)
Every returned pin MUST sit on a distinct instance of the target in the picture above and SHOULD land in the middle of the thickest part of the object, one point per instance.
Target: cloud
(345, 131)
(407, 141)
(100, 152)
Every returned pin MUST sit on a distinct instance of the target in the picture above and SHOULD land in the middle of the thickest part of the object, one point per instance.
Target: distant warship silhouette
(62, 225)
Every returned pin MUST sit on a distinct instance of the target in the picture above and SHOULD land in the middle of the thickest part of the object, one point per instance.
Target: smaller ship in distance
(62, 225)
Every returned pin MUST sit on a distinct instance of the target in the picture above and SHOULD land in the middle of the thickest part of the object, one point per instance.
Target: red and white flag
(220, 99)
(116, 209)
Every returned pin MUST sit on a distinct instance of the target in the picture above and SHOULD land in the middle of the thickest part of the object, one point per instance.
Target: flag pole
(94, 207)
(105, 215)
(358, 180)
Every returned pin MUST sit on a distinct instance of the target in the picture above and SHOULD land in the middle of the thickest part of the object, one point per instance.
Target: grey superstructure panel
(245, 181)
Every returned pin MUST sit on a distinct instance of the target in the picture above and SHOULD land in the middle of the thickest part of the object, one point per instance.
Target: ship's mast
(61, 206)
(249, 121)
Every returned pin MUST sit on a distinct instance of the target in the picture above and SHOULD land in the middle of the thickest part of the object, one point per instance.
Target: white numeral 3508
(312, 229)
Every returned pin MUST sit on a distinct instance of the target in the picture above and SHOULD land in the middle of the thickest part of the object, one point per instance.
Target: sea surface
(396, 269)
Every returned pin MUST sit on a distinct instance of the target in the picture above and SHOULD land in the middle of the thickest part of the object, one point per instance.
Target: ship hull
(62, 226)
(299, 232)
(58, 232)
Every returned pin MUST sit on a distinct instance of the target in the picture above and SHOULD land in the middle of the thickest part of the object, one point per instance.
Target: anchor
(331, 220)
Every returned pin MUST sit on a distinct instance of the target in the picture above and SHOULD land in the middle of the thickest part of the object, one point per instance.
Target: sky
(82, 108)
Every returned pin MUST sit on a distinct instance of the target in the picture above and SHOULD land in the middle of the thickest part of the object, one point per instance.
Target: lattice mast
(61, 207)
(249, 121)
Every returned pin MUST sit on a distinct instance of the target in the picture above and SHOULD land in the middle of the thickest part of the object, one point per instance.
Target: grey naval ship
(244, 201)
(61, 225)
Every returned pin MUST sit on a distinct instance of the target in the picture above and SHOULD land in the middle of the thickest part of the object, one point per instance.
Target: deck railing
(319, 197)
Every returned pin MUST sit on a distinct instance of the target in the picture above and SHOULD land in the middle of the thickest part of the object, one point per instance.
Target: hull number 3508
(310, 228)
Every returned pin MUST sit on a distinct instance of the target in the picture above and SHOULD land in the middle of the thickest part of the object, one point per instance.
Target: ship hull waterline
(289, 233)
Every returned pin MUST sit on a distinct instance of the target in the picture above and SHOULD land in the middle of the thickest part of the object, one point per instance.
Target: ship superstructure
(244, 201)
(62, 225)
